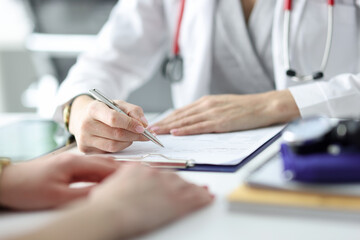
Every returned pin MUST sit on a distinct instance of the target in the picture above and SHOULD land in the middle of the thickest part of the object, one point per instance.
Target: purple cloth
(322, 167)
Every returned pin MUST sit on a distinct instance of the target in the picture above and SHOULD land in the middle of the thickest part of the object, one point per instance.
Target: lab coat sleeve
(128, 50)
(339, 97)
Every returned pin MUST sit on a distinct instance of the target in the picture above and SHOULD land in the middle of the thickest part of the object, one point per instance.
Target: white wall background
(16, 70)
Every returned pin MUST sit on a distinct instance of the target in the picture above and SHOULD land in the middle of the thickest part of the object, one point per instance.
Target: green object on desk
(28, 139)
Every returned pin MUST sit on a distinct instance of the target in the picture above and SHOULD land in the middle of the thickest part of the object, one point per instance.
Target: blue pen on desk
(111, 104)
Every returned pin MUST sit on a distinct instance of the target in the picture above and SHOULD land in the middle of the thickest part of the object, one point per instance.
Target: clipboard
(204, 167)
(162, 161)
(159, 161)
(233, 168)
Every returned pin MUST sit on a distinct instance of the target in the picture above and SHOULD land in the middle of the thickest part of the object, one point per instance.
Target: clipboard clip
(159, 161)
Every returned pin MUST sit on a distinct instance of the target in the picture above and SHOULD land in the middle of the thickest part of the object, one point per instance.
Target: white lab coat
(139, 33)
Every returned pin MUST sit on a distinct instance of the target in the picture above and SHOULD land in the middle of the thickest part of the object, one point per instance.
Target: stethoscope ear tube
(289, 71)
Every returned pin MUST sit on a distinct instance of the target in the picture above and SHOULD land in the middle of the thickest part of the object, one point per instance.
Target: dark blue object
(321, 167)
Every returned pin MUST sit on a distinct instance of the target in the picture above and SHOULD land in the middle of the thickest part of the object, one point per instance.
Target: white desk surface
(217, 221)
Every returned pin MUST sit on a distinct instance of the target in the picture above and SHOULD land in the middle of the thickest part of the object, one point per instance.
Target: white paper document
(217, 149)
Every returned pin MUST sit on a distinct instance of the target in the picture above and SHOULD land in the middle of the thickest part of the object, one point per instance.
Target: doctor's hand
(98, 129)
(225, 113)
(44, 183)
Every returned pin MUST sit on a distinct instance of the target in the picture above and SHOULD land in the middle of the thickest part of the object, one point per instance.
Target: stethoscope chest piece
(173, 66)
(173, 69)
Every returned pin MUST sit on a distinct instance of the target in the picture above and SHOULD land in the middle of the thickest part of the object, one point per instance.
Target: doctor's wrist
(78, 104)
(283, 106)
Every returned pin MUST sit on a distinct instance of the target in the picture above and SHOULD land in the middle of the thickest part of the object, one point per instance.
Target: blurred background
(41, 39)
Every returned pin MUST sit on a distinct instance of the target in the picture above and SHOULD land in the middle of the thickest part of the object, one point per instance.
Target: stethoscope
(173, 66)
(290, 72)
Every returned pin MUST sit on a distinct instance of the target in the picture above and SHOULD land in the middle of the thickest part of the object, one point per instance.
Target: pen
(111, 104)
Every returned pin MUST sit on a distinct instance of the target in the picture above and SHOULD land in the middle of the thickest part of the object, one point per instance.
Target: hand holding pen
(111, 104)
(98, 129)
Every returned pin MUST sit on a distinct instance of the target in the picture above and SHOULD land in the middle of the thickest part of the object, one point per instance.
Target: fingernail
(139, 129)
(174, 131)
(144, 120)
(212, 196)
(206, 187)
(151, 131)
(154, 128)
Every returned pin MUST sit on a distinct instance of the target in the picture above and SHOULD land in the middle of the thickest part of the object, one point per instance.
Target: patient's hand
(134, 200)
(140, 199)
(44, 183)
(225, 113)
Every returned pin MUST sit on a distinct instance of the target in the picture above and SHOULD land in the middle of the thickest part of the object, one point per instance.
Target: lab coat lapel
(256, 22)
(234, 31)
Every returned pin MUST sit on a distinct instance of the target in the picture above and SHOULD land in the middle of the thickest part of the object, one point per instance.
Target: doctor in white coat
(235, 67)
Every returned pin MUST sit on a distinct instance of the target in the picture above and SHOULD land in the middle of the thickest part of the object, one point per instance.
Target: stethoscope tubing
(176, 47)
(286, 41)
(286, 44)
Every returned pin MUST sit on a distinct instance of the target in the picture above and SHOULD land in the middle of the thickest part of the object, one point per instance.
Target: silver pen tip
(158, 142)
(153, 138)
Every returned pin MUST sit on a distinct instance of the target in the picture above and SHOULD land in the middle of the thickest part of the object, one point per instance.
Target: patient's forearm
(82, 221)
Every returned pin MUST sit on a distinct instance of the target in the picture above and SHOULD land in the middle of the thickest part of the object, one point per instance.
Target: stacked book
(266, 190)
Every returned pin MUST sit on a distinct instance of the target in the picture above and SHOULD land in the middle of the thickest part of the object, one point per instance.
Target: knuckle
(128, 124)
(209, 103)
(131, 124)
(185, 122)
(118, 134)
(137, 109)
(91, 108)
(85, 125)
(112, 118)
